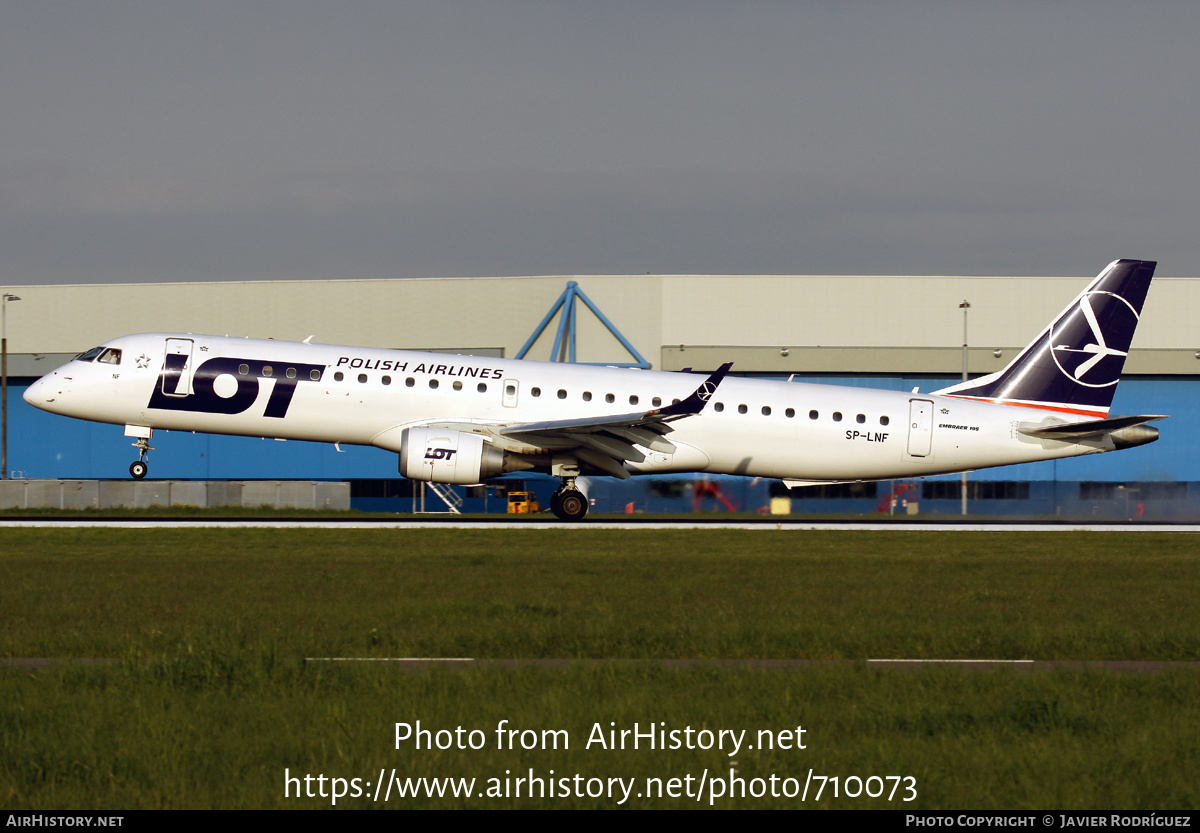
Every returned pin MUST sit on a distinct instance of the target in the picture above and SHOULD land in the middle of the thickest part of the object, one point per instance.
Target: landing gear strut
(139, 468)
(568, 503)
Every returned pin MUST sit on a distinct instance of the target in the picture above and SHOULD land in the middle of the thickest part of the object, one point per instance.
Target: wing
(608, 442)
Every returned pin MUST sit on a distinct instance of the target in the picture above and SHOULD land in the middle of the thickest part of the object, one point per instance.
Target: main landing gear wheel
(138, 469)
(569, 504)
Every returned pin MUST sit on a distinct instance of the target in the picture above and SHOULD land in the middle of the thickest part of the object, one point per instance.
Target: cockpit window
(111, 355)
(89, 355)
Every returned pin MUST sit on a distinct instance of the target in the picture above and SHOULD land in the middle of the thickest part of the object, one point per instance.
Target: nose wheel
(139, 467)
(568, 503)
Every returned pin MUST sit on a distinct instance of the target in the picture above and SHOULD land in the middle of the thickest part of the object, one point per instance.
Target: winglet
(695, 403)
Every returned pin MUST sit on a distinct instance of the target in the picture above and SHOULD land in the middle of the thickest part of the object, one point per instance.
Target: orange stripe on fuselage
(1041, 407)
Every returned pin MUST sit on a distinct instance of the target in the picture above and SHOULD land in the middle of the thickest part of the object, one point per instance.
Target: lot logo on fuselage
(227, 385)
(1090, 344)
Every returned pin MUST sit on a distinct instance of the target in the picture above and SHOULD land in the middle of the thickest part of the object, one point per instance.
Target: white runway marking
(389, 659)
(778, 526)
(1006, 661)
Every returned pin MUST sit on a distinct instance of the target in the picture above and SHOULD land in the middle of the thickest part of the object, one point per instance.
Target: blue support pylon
(564, 337)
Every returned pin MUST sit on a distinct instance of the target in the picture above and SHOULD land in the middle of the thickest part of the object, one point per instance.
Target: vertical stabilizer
(1074, 365)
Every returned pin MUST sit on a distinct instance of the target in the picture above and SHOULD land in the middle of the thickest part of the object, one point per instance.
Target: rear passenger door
(920, 427)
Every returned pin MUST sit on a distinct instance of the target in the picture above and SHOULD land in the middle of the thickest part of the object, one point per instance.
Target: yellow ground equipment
(523, 503)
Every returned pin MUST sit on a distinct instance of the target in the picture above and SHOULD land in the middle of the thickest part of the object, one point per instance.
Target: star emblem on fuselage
(143, 361)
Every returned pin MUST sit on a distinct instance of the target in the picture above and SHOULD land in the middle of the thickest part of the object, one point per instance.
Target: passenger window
(789, 413)
(481, 387)
(339, 376)
(718, 407)
(813, 415)
(609, 398)
(315, 375)
(884, 420)
(387, 380)
(766, 410)
(291, 373)
(408, 383)
(243, 369)
(510, 390)
(562, 394)
(587, 396)
(433, 383)
(362, 378)
(837, 416)
(656, 401)
(268, 370)
(860, 419)
(535, 391)
(457, 385)
(633, 400)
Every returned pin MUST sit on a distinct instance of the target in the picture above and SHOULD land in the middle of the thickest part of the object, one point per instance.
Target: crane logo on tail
(1079, 344)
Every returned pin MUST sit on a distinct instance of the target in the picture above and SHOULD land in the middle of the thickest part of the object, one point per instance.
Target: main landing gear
(139, 467)
(568, 503)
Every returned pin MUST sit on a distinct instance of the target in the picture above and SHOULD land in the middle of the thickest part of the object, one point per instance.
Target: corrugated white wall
(651, 310)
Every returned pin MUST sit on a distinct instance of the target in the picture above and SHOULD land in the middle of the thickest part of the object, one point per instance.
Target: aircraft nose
(41, 393)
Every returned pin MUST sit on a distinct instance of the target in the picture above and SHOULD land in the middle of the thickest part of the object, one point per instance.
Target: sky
(202, 141)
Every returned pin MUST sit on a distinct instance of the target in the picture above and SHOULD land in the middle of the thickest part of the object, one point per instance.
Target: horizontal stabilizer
(1075, 430)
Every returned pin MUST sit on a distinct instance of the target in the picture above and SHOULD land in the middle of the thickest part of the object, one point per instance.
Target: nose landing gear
(139, 468)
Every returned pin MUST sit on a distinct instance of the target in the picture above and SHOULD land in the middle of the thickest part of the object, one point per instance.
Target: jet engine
(446, 456)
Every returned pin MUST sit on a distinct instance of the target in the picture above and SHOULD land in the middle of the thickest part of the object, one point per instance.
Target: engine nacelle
(445, 456)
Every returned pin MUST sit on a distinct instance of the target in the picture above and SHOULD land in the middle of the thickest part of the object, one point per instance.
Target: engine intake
(445, 456)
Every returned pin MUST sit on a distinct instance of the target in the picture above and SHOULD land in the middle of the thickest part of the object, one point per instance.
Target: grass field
(209, 698)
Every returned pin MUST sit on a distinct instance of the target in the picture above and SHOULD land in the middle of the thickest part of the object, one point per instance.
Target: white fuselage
(354, 395)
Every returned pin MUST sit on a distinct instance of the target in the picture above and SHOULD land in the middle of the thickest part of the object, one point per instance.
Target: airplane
(466, 419)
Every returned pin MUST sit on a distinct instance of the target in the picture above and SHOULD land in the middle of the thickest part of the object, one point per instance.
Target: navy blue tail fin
(1074, 365)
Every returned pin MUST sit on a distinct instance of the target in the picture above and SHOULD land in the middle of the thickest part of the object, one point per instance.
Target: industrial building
(891, 332)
